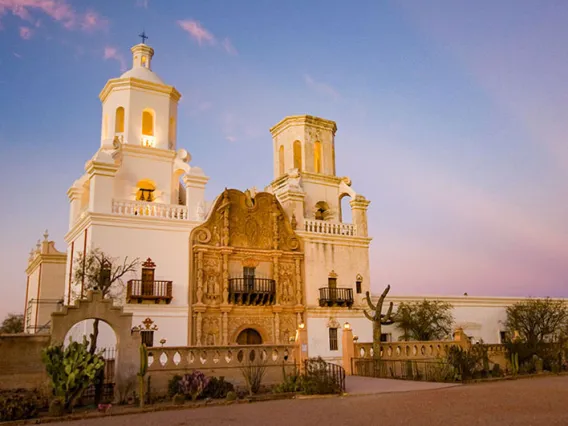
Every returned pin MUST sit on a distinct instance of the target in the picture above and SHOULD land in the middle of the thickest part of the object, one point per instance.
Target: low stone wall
(20, 361)
(428, 350)
(227, 361)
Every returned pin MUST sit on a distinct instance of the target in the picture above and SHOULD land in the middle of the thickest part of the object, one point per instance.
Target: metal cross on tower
(143, 36)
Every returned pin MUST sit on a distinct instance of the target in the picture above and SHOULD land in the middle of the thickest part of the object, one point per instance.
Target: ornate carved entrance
(249, 336)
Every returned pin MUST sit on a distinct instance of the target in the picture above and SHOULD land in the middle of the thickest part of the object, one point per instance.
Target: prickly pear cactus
(71, 370)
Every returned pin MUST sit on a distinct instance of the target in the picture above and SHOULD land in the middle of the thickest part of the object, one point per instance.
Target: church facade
(246, 268)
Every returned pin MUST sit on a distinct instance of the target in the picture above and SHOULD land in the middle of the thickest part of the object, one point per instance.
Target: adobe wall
(20, 361)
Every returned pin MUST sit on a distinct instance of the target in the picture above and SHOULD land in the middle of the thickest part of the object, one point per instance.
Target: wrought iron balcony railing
(330, 296)
(138, 291)
(252, 291)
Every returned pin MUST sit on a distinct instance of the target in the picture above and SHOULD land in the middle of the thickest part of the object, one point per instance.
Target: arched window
(281, 159)
(317, 157)
(345, 209)
(322, 211)
(147, 123)
(119, 120)
(298, 155)
(146, 190)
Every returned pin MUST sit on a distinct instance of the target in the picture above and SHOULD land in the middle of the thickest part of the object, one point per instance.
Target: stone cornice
(247, 251)
(464, 301)
(100, 169)
(133, 150)
(310, 177)
(132, 222)
(46, 258)
(303, 120)
(195, 181)
(74, 192)
(135, 83)
(341, 240)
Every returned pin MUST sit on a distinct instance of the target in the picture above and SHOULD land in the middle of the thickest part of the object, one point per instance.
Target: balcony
(330, 228)
(145, 209)
(330, 296)
(252, 291)
(140, 291)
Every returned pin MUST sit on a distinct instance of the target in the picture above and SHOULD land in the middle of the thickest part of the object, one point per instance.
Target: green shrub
(174, 386)
(19, 404)
(217, 388)
(231, 396)
(467, 362)
(317, 380)
(292, 383)
(496, 371)
(57, 407)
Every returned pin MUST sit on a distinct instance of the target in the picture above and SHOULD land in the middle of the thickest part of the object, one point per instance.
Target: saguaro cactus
(142, 372)
(378, 320)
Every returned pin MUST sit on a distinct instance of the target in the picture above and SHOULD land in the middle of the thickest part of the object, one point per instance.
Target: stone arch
(256, 327)
(94, 306)
(345, 215)
(297, 147)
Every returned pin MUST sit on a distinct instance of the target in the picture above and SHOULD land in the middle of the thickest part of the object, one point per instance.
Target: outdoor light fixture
(355, 338)
(163, 342)
(347, 326)
(302, 326)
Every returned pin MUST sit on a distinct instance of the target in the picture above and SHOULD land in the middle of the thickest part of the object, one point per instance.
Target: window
(359, 284)
(281, 160)
(298, 155)
(248, 277)
(333, 339)
(503, 336)
(317, 157)
(147, 123)
(147, 337)
(386, 337)
(119, 120)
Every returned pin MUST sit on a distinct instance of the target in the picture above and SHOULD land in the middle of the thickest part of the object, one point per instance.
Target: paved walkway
(356, 385)
(539, 401)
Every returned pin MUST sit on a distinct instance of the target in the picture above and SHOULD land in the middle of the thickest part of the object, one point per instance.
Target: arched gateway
(249, 336)
(94, 306)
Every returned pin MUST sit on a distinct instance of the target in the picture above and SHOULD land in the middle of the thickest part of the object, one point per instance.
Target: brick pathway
(538, 401)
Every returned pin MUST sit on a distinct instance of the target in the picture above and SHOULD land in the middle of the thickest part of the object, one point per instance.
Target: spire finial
(45, 235)
(143, 36)
(38, 245)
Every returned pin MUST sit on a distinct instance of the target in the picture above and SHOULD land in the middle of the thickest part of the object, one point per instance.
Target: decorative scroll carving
(225, 328)
(212, 280)
(276, 275)
(242, 220)
(263, 324)
(286, 283)
(287, 328)
(277, 327)
(198, 329)
(199, 292)
(298, 282)
(211, 331)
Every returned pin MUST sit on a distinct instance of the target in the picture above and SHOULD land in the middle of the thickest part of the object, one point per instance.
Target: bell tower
(138, 107)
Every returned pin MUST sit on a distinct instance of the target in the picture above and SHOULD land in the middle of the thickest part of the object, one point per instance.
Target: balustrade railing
(145, 209)
(407, 350)
(252, 291)
(218, 357)
(330, 228)
(330, 296)
(138, 291)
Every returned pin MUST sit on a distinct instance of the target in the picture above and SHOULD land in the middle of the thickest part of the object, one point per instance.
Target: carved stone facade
(247, 272)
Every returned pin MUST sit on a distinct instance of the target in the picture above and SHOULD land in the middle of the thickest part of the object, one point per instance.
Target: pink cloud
(196, 30)
(111, 53)
(17, 55)
(59, 10)
(322, 88)
(26, 33)
(228, 46)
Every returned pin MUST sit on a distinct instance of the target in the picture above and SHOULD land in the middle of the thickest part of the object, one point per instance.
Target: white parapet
(330, 228)
(141, 208)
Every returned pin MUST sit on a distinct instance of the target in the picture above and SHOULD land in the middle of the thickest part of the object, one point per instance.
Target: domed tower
(138, 107)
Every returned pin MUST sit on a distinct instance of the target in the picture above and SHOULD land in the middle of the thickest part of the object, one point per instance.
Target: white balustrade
(144, 209)
(330, 228)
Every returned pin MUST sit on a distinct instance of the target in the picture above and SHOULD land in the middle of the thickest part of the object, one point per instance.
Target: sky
(452, 119)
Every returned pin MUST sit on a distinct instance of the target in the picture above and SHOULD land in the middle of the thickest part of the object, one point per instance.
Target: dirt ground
(538, 401)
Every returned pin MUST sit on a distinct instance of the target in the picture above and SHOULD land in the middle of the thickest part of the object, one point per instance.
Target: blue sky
(452, 120)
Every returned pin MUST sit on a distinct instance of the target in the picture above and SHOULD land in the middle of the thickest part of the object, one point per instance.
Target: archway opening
(145, 191)
(249, 336)
(106, 347)
(322, 211)
(298, 155)
(345, 209)
(281, 160)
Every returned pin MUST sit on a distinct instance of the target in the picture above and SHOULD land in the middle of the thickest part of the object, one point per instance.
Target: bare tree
(96, 270)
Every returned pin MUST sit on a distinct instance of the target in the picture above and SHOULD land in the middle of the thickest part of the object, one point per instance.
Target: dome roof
(142, 73)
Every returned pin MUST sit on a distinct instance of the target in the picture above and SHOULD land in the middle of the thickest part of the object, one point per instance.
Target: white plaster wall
(318, 334)
(347, 261)
(135, 168)
(72, 257)
(33, 284)
(173, 324)
(159, 103)
(168, 249)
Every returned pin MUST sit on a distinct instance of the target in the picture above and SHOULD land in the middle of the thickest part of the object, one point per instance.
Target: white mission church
(247, 267)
